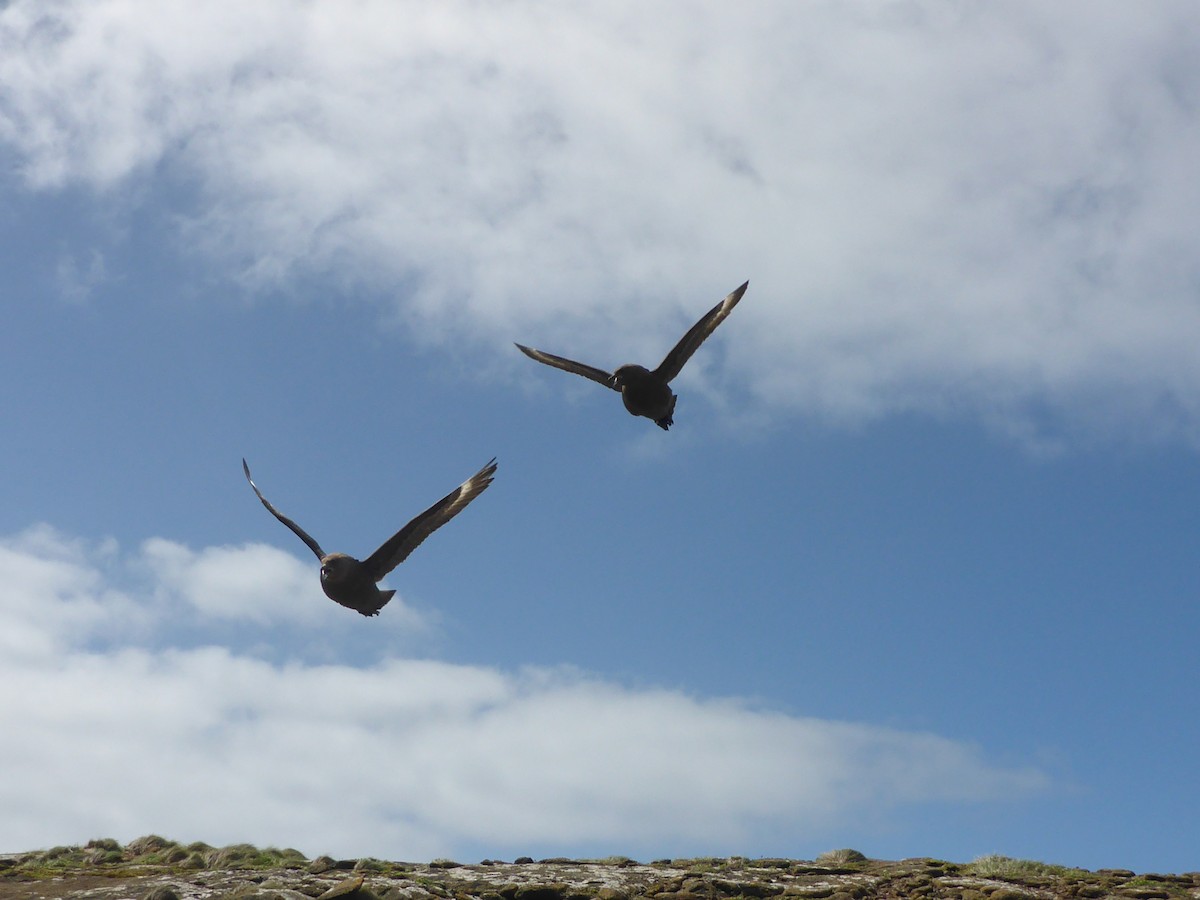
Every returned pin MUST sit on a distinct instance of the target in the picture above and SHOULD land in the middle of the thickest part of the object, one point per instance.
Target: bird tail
(383, 598)
(669, 419)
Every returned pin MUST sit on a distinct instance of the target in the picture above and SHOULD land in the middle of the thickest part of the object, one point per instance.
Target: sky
(914, 572)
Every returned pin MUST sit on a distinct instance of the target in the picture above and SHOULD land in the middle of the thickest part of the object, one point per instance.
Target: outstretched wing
(408, 538)
(300, 532)
(569, 365)
(682, 352)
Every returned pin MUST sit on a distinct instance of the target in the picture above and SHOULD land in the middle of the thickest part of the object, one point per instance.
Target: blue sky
(914, 572)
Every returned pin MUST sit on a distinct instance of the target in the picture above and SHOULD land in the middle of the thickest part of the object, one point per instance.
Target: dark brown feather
(690, 342)
(300, 532)
(569, 365)
(397, 548)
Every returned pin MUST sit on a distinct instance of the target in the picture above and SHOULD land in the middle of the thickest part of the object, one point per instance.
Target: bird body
(347, 581)
(353, 583)
(645, 392)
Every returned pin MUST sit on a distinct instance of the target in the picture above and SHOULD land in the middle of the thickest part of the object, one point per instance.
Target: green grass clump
(842, 857)
(995, 866)
(106, 856)
(153, 850)
(701, 865)
(609, 861)
(148, 845)
(247, 856)
(100, 857)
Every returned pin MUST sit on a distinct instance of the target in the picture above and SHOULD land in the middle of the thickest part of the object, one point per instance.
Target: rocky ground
(152, 868)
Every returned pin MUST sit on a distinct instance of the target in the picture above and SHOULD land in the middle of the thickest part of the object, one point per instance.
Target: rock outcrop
(153, 868)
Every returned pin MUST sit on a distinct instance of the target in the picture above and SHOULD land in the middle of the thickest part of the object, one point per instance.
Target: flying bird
(644, 392)
(353, 583)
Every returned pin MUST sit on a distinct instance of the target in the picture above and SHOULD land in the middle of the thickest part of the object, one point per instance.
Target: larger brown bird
(644, 392)
(354, 583)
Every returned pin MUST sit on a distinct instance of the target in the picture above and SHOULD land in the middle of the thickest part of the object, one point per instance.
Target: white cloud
(256, 583)
(234, 582)
(405, 758)
(55, 596)
(939, 208)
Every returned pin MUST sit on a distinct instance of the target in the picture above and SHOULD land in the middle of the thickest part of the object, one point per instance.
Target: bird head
(336, 567)
(624, 375)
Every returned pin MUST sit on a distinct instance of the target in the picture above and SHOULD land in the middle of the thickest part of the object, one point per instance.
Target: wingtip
(246, 469)
(731, 299)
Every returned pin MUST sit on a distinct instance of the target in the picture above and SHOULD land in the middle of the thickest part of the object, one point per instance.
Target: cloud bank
(119, 729)
(989, 209)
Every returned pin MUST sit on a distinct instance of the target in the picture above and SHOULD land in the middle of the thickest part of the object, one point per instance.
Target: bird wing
(300, 532)
(396, 549)
(682, 352)
(569, 365)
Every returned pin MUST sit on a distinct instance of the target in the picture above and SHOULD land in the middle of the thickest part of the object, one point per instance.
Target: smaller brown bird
(354, 583)
(647, 393)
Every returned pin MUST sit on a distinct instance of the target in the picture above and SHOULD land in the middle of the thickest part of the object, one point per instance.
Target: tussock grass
(843, 857)
(247, 856)
(996, 866)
